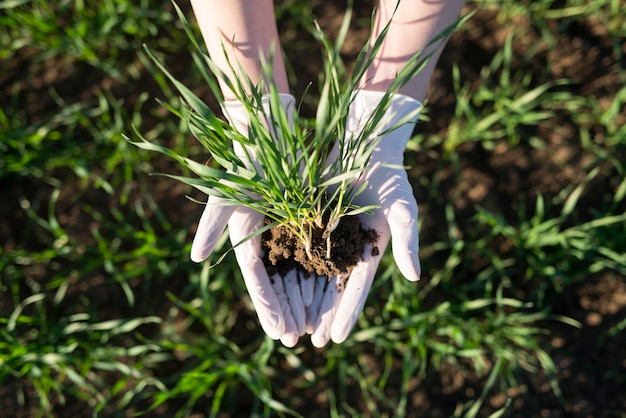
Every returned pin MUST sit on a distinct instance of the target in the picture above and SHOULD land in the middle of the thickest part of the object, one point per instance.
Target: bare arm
(246, 31)
(414, 25)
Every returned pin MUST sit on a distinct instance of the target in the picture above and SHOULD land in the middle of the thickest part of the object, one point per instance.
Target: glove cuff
(396, 124)
(237, 114)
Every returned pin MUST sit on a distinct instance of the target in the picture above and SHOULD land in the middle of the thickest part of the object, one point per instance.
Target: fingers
(361, 278)
(292, 289)
(242, 224)
(290, 334)
(395, 194)
(401, 217)
(332, 296)
(298, 289)
(355, 294)
(270, 302)
(307, 287)
(313, 309)
(401, 221)
(212, 223)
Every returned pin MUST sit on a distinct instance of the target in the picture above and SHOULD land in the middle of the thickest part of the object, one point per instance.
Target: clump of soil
(285, 251)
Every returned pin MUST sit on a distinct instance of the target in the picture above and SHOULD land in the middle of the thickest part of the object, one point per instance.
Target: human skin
(413, 26)
(246, 36)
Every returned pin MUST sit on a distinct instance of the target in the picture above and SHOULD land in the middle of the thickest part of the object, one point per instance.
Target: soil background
(583, 54)
(592, 376)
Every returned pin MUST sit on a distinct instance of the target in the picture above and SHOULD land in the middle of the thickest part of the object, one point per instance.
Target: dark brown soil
(286, 251)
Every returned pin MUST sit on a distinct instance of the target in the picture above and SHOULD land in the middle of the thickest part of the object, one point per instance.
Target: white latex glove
(270, 295)
(338, 302)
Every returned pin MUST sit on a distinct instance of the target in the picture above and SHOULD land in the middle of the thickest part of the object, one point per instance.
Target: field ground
(518, 167)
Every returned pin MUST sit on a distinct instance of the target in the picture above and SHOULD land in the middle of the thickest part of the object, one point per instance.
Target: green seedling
(296, 183)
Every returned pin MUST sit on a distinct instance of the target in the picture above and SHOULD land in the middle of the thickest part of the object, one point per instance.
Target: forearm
(244, 33)
(415, 24)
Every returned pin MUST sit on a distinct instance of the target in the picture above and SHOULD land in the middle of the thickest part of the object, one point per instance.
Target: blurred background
(518, 166)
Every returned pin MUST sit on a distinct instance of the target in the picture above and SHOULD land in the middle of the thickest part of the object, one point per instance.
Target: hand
(335, 310)
(271, 296)
(292, 305)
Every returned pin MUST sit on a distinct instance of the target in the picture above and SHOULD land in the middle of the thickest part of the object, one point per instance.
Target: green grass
(102, 311)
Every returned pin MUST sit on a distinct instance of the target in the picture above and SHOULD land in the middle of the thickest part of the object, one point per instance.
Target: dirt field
(590, 361)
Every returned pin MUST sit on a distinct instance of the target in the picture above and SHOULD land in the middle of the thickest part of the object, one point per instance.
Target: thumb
(243, 223)
(402, 219)
(355, 294)
(212, 223)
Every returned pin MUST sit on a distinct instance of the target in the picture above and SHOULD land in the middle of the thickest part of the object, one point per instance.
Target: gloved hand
(338, 302)
(271, 296)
